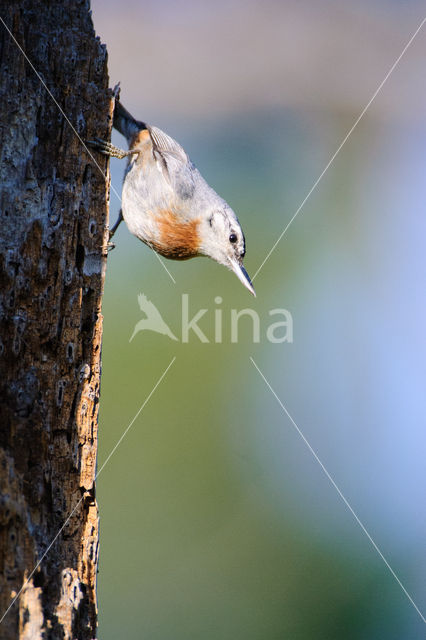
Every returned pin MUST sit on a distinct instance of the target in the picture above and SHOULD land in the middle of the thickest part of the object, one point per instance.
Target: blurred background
(217, 522)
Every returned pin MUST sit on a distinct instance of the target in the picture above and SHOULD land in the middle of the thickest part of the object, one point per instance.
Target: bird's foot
(109, 246)
(115, 227)
(108, 149)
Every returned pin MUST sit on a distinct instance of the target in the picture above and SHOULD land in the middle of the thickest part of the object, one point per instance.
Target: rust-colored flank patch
(139, 138)
(177, 240)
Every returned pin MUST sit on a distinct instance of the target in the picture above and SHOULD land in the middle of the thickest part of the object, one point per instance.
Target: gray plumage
(167, 203)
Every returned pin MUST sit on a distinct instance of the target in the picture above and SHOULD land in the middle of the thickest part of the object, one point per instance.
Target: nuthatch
(166, 202)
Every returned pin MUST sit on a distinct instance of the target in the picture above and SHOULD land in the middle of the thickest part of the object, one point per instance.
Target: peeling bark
(53, 220)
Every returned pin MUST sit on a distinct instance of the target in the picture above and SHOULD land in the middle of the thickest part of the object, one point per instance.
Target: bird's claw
(109, 246)
(107, 148)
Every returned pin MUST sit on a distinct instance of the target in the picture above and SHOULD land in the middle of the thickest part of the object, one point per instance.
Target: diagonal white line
(349, 133)
(73, 128)
(55, 101)
(160, 379)
(338, 491)
(82, 498)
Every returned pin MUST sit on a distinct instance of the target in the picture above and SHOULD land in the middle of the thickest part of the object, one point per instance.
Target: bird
(166, 202)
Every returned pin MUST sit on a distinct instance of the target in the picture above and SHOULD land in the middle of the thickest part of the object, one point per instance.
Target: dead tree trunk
(53, 216)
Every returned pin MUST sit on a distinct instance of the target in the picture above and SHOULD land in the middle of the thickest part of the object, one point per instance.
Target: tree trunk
(53, 212)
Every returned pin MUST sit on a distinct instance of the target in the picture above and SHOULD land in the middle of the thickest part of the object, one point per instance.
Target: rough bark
(53, 217)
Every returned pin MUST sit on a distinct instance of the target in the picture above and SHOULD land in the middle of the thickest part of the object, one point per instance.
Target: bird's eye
(233, 238)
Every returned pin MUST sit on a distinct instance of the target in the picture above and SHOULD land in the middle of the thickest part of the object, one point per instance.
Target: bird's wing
(165, 145)
(168, 153)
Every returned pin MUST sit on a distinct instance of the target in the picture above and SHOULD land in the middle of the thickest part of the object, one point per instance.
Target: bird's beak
(242, 275)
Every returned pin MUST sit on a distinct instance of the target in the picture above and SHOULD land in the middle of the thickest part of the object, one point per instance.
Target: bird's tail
(126, 123)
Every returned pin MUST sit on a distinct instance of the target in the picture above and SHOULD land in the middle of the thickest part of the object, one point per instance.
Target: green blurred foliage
(216, 522)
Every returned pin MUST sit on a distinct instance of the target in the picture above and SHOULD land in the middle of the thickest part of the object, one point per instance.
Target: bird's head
(222, 239)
